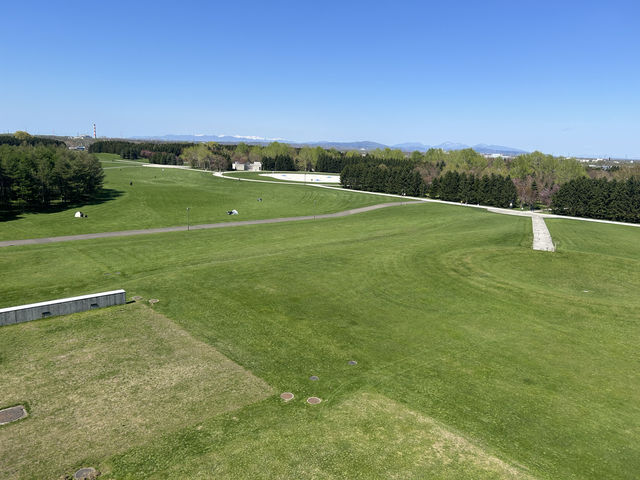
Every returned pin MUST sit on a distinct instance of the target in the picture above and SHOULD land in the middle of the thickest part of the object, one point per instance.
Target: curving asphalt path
(182, 228)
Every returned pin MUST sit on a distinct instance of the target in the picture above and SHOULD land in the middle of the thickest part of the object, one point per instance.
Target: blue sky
(561, 77)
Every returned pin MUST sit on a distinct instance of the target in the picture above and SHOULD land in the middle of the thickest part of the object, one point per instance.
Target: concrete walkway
(127, 233)
(541, 236)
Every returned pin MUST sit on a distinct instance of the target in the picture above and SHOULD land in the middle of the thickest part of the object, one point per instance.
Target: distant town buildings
(497, 155)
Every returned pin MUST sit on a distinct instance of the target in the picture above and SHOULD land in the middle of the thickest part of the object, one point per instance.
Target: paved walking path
(126, 233)
(541, 236)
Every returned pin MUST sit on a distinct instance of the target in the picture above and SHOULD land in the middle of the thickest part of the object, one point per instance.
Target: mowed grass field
(477, 356)
(160, 197)
(102, 381)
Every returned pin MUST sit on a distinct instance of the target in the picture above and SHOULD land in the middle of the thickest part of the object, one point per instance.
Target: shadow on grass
(105, 195)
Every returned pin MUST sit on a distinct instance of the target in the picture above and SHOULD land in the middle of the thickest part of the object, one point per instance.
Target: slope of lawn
(477, 356)
(103, 381)
(137, 197)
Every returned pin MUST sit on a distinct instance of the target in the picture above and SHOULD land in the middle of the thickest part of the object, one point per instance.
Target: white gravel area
(302, 177)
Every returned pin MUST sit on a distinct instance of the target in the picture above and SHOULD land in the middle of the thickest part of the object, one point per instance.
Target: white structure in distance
(304, 177)
(247, 166)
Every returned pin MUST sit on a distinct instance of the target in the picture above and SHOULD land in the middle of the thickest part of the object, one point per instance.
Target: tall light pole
(187, 219)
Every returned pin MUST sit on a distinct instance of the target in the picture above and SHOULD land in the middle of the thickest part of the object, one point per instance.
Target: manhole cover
(352, 362)
(314, 378)
(12, 414)
(87, 473)
(137, 298)
(313, 400)
(153, 300)
(286, 396)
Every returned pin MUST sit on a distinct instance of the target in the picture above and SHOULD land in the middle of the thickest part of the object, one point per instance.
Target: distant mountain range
(362, 145)
(449, 146)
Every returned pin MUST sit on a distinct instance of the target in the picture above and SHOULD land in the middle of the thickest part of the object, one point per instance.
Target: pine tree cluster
(36, 176)
(494, 190)
(280, 162)
(399, 180)
(133, 150)
(599, 198)
(402, 178)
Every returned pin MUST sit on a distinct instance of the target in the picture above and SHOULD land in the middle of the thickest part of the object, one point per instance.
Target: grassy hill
(477, 357)
(139, 197)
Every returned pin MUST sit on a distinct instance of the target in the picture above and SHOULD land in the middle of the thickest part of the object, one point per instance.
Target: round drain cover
(87, 473)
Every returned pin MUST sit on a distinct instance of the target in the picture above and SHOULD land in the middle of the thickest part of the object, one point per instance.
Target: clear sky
(558, 76)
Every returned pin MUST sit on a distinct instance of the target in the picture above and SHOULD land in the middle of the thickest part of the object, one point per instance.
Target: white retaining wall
(62, 306)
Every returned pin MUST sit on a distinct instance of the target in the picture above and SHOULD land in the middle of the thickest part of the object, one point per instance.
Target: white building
(247, 166)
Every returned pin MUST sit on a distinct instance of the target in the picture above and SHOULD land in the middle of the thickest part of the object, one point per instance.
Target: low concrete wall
(63, 306)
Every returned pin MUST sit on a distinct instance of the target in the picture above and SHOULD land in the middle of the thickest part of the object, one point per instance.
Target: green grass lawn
(477, 356)
(103, 381)
(159, 198)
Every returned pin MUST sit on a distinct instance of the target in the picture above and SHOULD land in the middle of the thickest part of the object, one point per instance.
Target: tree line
(281, 162)
(460, 175)
(133, 150)
(396, 179)
(35, 176)
(24, 138)
(494, 190)
(600, 198)
(404, 178)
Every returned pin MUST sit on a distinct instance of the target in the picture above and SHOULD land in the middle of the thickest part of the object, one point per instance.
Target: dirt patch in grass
(103, 381)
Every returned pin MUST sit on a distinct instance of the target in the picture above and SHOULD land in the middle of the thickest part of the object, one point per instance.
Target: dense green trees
(599, 198)
(397, 179)
(494, 190)
(133, 150)
(281, 162)
(23, 138)
(404, 178)
(164, 158)
(207, 156)
(330, 161)
(37, 176)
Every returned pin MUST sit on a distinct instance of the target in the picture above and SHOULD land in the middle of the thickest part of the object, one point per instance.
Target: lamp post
(187, 219)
